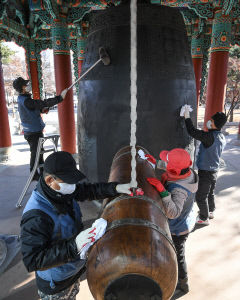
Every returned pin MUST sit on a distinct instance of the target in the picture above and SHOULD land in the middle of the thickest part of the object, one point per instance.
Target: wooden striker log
(135, 259)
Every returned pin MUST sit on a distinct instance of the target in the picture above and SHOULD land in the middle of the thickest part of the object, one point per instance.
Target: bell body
(165, 82)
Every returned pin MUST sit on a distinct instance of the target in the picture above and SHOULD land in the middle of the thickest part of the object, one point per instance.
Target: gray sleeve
(173, 203)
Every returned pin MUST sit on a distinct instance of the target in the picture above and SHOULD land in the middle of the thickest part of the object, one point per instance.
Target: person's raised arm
(205, 137)
(47, 103)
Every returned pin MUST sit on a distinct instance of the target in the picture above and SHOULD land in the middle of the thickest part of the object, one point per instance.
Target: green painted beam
(13, 27)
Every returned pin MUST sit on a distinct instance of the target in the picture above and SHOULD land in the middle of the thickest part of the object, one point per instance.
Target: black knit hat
(19, 83)
(219, 119)
(63, 166)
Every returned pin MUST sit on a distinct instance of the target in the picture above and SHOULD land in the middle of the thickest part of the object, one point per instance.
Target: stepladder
(41, 150)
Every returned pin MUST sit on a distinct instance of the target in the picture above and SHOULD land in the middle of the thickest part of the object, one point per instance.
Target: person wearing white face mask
(208, 160)
(30, 114)
(52, 241)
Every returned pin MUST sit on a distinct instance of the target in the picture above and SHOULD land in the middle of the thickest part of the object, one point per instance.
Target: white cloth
(124, 188)
(142, 156)
(184, 109)
(88, 237)
(63, 93)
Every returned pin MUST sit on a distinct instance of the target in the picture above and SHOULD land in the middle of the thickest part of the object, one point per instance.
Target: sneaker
(202, 222)
(211, 215)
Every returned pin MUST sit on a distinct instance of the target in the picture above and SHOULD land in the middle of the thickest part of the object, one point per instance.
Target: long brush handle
(84, 74)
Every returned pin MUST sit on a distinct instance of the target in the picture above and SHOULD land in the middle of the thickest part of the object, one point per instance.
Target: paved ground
(213, 253)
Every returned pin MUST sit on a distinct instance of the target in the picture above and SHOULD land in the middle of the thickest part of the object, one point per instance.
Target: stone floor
(213, 252)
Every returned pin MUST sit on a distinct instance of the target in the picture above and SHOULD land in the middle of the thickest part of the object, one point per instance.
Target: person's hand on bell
(151, 158)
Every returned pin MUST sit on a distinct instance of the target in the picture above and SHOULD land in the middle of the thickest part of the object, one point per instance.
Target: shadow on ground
(24, 293)
(20, 290)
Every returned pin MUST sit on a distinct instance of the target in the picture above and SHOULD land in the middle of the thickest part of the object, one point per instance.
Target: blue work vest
(31, 119)
(187, 219)
(208, 158)
(64, 227)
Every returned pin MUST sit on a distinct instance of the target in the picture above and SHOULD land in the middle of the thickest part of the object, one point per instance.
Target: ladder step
(48, 150)
(54, 139)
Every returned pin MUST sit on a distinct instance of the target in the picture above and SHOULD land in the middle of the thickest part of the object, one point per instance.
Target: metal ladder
(40, 150)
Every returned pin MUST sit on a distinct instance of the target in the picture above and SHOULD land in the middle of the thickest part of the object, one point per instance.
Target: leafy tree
(235, 52)
(6, 53)
(233, 81)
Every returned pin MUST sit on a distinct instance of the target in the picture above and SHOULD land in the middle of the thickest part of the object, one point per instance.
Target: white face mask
(209, 124)
(66, 188)
(28, 88)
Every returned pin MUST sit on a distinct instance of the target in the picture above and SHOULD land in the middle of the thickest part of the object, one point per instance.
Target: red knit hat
(177, 159)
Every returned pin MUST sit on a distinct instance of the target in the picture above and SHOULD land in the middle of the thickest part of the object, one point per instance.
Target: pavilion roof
(21, 20)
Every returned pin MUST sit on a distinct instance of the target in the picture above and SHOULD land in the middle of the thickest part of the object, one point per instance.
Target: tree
(48, 74)
(10, 72)
(233, 81)
(234, 52)
(6, 52)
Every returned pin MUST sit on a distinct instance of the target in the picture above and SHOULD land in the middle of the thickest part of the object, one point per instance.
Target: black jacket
(206, 138)
(41, 104)
(38, 251)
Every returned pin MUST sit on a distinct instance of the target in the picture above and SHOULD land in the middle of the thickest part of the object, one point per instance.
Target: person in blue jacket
(208, 162)
(30, 114)
(51, 226)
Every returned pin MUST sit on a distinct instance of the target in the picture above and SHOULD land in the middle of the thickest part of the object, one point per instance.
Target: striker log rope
(133, 90)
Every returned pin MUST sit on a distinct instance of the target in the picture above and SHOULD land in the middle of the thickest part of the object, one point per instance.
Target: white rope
(133, 90)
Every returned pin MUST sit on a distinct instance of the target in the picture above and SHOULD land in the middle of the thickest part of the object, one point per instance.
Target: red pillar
(217, 75)
(5, 135)
(217, 82)
(197, 65)
(80, 62)
(34, 79)
(63, 79)
(197, 47)
(31, 56)
(81, 44)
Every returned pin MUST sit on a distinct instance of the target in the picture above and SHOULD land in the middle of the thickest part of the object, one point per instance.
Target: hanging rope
(133, 8)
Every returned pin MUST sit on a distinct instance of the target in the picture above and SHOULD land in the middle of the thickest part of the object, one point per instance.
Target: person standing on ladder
(30, 114)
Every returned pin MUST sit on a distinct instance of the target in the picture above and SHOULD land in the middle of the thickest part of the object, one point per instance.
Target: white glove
(185, 111)
(88, 237)
(142, 156)
(124, 188)
(63, 93)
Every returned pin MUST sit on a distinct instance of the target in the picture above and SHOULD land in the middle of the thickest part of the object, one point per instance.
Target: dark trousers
(179, 243)
(32, 140)
(205, 192)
